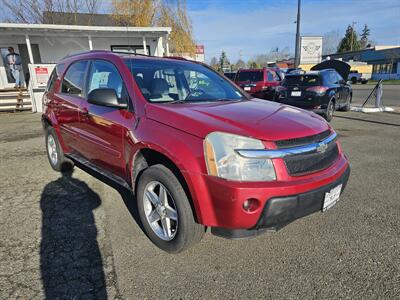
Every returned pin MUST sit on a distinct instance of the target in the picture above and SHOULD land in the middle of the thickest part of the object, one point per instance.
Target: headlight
(224, 162)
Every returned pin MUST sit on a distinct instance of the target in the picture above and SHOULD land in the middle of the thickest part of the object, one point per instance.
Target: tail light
(280, 88)
(320, 90)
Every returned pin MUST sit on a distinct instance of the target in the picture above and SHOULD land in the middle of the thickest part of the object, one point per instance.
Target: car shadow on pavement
(70, 259)
(127, 195)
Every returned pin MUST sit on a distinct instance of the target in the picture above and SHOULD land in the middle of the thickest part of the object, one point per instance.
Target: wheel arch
(146, 157)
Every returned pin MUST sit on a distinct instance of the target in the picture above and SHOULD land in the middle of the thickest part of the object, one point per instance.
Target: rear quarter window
(74, 79)
(59, 69)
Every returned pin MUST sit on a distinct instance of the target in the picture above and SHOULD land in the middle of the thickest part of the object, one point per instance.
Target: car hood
(261, 119)
(340, 66)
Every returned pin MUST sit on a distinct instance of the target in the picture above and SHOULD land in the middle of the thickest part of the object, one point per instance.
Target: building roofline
(56, 27)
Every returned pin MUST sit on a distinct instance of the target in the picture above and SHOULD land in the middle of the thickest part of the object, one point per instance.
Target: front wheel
(347, 106)
(328, 115)
(165, 211)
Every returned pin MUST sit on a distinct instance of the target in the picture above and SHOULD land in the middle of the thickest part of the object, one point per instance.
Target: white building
(42, 45)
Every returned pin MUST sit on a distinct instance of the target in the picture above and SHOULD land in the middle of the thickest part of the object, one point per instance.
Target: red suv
(259, 83)
(195, 151)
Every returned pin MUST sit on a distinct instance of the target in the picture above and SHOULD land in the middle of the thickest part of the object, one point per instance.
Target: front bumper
(280, 211)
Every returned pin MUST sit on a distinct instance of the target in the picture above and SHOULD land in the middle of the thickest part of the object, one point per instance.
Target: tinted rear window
(250, 76)
(302, 80)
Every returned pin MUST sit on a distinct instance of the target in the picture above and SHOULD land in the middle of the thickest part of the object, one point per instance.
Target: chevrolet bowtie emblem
(322, 148)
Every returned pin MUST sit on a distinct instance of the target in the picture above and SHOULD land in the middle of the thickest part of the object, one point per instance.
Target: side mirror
(105, 97)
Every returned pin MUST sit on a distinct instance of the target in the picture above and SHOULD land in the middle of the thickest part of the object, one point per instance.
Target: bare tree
(31, 11)
(330, 42)
(168, 13)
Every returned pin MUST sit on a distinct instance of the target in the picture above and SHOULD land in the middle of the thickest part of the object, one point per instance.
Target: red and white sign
(199, 49)
(42, 75)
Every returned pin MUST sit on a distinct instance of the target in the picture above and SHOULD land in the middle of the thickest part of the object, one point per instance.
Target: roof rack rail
(83, 52)
(131, 53)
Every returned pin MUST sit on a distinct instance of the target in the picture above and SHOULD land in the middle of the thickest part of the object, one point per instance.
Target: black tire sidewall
(327, 115)
(63, 164)
(51, 131)
(348, 103)
(186, 222)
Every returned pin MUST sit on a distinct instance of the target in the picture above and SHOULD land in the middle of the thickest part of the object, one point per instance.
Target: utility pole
(352, 35)
(297, 50)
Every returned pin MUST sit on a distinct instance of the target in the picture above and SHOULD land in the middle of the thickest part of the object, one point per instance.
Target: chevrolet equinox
(195, 150)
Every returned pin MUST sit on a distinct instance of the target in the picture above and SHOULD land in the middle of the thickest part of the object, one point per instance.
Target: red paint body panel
(111, 138)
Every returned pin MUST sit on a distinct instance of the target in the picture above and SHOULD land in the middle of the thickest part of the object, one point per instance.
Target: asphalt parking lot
(62, 236)
(390, 96)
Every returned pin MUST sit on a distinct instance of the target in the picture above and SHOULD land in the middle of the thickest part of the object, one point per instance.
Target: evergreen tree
(364, 41)
(224, 63)
(349, 42)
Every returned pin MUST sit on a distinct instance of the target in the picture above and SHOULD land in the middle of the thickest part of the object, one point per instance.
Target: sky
(245, 28)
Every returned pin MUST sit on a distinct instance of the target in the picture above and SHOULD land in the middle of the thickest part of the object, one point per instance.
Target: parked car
(193, 148)
(322, 91)
(295, 71)
(355, 77)
(230, 75)
(260, 83)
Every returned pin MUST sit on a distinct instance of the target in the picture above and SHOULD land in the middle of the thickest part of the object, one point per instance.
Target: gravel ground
(74, 235)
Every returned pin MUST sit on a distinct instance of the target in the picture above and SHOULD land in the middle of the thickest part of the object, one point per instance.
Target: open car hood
(340, 66)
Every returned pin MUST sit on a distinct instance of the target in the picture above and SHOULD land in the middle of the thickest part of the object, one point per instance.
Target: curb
(372, 109)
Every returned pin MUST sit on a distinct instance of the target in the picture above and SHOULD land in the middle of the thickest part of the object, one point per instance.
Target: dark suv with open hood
(321, 90)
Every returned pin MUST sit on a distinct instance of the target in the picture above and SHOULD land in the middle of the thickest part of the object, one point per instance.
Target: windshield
(252, 76)
(171, 80)
(301, 80)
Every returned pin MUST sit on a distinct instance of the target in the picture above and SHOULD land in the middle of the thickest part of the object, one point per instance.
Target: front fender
(186, 152)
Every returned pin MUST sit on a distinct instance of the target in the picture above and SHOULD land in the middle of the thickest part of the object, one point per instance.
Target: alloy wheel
(160, 210)
(52, 149)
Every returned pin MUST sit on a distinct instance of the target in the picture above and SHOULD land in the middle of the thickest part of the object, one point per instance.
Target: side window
(330, 78)
(338, 77)
(74, 79)
(270, 76)
(104, 74)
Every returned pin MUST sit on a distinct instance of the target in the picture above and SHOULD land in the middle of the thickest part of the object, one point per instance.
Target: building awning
(78, 30)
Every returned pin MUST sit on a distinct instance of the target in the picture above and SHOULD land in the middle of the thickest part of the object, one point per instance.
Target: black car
(230, 75)
(322, 91)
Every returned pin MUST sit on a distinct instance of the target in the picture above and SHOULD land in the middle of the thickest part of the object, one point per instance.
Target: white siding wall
(52, 49)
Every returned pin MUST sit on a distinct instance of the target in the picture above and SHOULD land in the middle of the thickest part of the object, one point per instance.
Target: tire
(172, 234)
(55, 154)
(348, 103)
(330, 109)
(364, 82)
(354, 80)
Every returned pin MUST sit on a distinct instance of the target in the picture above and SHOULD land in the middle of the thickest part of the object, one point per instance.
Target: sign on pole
(311, 49)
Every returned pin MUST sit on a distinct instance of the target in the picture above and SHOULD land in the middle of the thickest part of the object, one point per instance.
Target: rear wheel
(330, 109)
(165, 211)
(55, 154)
(354, 80)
